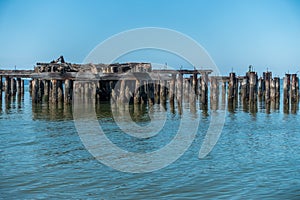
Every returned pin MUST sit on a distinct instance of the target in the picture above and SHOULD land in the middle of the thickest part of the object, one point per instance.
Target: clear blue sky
(264, 33)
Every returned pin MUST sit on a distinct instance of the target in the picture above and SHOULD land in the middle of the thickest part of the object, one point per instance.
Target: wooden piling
(252, 87)
(156, 91)
(214, 93)
(143, 92)
(213, 88)
(186, 89)
(35, 90)
(68, 91)
(223, 87)
(7, 86)
(268, 78)
(179, 88)
(286, 89)
(19, 86)
(204, 88)
(87, 90)
(172, 88)
(13, 86)
(41, 90)
(195, 83)
(137, 95)
(163, 91)
(93, 90)
(232, 86)
(54, 91)
(60, 91)
(22, 86)
(150, 93)
(244, 89)
(261, 87)
(294, 89)
(121, 97)
(46, 85)
(223, 97)
(272, 90)
(277, 88)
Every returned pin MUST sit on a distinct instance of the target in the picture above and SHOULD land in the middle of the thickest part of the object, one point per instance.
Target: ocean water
(42, 155)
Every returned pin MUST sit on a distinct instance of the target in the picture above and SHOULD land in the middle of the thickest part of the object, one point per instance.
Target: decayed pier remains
(137, 83)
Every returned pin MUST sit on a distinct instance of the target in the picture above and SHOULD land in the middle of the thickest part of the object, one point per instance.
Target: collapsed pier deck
(138, 83)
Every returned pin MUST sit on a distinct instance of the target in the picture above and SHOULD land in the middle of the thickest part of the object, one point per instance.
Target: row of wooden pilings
(52, 91)
(248, 88)
(251, 88)
(11, 86)
(136, 91)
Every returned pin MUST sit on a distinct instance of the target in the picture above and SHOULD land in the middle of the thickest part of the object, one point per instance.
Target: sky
(235, 33)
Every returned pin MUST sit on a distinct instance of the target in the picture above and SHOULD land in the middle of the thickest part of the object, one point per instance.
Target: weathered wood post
(46, 84)
(7, 86)
(286, 89)
(179, 92)
(223, 103)
(186, 87)
(156, 91)
(98, 90)
(22, 86)
(294, 108)
(143, 91)
(179, 88)
(54, 91)
(244, 89)
(277, 88)
(19, 86)
(261, 87)
(13, 86)
(212, 87)
(195, 83)
(68, 91)
(294, 89)
(35, 90)
(121, 97)
(204, 88)
(60, 91)
(268, 78)
(214, 93)
(40, 90)
(272, 90)
(172, 88)
(192, 83)
(232, 86)
(93, 91)
(151, 92)
(87, 91)
(252, 86)
(77, 91)
(163, 92)
(137, 95)
(223, 87)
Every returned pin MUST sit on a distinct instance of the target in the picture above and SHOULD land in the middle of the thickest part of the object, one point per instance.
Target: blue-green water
(42, 156)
